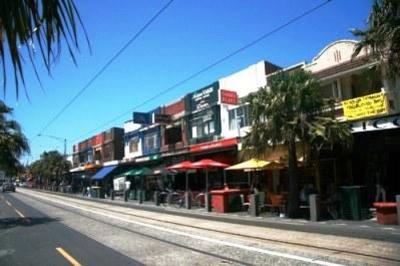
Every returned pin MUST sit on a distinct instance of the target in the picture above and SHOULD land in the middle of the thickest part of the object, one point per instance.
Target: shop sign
(367, 106)
(376, 124)
(203, 98)
(229, 97)
(148, 158)
(162, 119)
(142, 118)
(212, 145)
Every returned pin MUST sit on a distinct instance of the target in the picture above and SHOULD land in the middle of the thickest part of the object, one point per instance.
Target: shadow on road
(7, 223)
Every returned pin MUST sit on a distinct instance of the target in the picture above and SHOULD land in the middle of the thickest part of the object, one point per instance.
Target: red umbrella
(183, 166)
(208, 164)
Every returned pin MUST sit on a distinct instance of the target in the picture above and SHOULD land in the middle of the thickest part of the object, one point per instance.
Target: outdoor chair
(277, 203)
(245, 205)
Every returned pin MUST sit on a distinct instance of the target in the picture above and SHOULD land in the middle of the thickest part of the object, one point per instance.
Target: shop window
(173, 135)
(108, 135)
(197, 128)
(107, 152)
(239, 117)
(134, 144)
(365, 83)
(201, 129)
(150, 141)
(97, 155)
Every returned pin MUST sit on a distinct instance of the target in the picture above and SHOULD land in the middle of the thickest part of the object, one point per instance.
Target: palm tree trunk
(318, 172)
(293, 201)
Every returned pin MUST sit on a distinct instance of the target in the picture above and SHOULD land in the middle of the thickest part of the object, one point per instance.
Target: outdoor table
(386, 212)
(223, 200)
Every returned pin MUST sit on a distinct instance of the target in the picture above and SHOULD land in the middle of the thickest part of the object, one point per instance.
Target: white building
(234, 116)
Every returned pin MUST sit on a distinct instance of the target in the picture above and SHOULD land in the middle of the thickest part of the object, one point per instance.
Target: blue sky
(187, 37)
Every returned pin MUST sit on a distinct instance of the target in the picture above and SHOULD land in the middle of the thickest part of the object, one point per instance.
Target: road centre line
(68, 257)
(19, 213)
(8, 203)
(206, 239)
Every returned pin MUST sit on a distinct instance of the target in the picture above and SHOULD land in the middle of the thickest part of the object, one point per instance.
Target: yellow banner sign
(366, 106)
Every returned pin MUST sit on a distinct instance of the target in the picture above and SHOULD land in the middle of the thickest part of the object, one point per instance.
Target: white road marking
(206, 239)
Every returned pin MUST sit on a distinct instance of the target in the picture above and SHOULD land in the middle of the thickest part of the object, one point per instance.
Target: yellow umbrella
(255, 164)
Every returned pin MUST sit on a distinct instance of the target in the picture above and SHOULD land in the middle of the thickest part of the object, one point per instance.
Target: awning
(104, 172)
(137, 172)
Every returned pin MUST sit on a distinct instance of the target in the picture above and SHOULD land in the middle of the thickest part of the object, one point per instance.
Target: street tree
(382, 36)
(288, 111)
(52, 166)
(30, 27)
(327, 132)
(13, 143)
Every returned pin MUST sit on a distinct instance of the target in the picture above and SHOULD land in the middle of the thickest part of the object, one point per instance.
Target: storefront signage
(142, 118)
(203, 98)
(376, 124)
(162, 119)
(229, 97)
(148, 158)
(366, 106)
(212, 145)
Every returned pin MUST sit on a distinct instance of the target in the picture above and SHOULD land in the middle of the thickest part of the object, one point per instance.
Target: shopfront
(204, 120)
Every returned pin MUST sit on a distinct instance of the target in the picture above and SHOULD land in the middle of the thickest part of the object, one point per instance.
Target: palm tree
(382, 36)
(280, 114)
(13, 143)
(288, 111)
(39, 26)
(326, 131)
(51, 166)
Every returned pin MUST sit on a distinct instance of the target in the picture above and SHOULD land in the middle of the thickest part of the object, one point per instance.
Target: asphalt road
(104, 234)
(29, 237)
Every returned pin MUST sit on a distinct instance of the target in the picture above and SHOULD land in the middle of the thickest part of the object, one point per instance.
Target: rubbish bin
(354, 205)
(97, 192)
(94, 192)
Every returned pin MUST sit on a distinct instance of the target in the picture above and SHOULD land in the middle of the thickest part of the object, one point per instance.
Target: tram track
(265, 240)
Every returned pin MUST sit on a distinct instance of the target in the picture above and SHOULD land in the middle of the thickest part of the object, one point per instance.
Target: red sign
(212, 145)
(229, 97)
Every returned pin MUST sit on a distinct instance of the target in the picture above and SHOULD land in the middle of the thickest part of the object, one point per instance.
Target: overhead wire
(106, 65)
(215, 63)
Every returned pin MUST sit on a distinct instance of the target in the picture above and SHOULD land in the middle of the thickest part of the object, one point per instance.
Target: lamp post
(57, 138)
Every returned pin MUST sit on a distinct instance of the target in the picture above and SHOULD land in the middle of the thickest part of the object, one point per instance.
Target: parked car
(8, 186)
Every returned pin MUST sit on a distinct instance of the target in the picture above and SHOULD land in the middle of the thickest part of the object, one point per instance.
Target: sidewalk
(366, 229)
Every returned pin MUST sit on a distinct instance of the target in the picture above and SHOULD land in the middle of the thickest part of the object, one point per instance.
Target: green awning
(137, 172)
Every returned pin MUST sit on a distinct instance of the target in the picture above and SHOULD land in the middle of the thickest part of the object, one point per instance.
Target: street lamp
(57, 138)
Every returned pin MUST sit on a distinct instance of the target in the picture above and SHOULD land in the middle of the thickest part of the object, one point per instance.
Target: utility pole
(59, 139)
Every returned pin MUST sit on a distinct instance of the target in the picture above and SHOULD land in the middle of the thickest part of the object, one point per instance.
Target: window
(150, 141)
(201, 129)
(173, 135)
(134, 144)
(107, 152)
(108, 135)
(239, 117)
